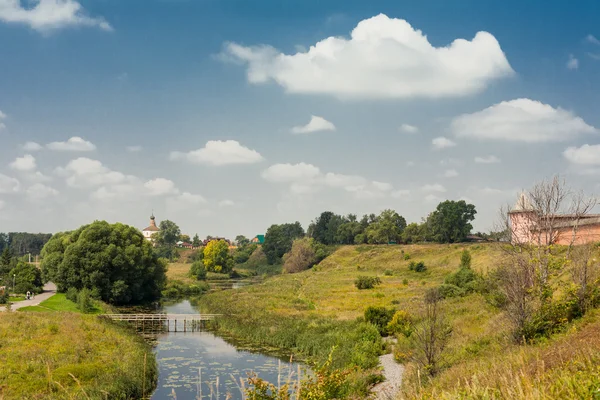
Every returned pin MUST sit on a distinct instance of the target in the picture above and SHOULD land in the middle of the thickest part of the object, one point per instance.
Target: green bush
(406, 256)
(380, 317)
(84, 301)
(72, 294)
(178, 289)
(388, 272)
(198, 271)
(417, 266)
(3, 297)
(405, 281)
(367, 282)
(448, 290)
(401, 322)
(465, 259)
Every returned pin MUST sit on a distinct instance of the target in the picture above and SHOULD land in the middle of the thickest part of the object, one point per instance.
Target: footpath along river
(185, 359)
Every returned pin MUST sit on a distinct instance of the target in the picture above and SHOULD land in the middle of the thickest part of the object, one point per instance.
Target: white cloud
(406, 128)
(316, 124)
(573, 63)
(436, 187)
(85, 172)
(2, 118)
(184, 201)
(32, 146)
(160, 187)
(450, 173)
(432, 198)
(584, 155)
(448, 162)
(73, 144)
(219, 152)
(134, 149)
(442, 143)
(521, 120)
(594, 56)
(39, 191)
(306, 178)
(283, 173)
(491, 159)
(46, 15)
(8, 184)
(25, 163)
(592, 39)
(383, 58)
(226, 203)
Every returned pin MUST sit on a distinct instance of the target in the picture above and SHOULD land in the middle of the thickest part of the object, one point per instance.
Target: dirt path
(49, 291)
(392, 371)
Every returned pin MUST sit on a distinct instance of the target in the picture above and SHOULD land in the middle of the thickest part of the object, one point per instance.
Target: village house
(529, 227)
(258, 239)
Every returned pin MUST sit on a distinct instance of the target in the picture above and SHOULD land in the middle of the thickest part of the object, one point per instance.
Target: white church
(151, 230)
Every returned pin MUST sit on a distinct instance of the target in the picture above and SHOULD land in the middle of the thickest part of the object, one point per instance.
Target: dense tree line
(21, 243)
(114, 261)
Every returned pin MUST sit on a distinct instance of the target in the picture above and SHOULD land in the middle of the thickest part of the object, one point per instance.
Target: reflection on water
(182, 357)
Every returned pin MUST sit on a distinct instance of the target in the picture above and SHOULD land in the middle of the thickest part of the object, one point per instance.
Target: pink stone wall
(585, 234)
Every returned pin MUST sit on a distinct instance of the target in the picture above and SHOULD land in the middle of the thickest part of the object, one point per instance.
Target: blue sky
(402, 118)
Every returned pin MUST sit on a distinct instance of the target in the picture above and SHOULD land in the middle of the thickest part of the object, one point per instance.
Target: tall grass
(72, 356)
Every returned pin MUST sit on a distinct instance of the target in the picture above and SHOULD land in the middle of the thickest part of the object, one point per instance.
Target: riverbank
(66, 355)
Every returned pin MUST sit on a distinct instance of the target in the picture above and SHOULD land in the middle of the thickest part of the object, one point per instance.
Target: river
(186, 358)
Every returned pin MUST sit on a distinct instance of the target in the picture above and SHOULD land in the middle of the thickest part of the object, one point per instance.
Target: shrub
(406, 256)
(417, 266)
(301, 257)
(367, 282)
(465, 259)
(448, 290)
(401, 322)
(3, 297)
(198, 271)
(405, 281)
(85, 303)
(72, 294)
(388, 272)
(380, 317)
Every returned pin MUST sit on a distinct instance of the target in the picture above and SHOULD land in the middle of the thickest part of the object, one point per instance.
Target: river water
(185, 359)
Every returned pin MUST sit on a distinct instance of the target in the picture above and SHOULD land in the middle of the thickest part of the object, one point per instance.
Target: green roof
(261, 238)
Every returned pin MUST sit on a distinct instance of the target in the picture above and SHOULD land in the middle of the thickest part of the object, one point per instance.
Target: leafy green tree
(241, 241)
(185, 238)
(169, 233)
(22, 243)
(27, 278)
(414, 233)
(5, 261)
(216, 256)
(451, 221)
(387, 228)
(278, 240)
(198, 270)
(112, 260)
(196, 241)
(348, 231)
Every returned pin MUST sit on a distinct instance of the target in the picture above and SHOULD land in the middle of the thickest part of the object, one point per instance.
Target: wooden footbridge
(165, 322)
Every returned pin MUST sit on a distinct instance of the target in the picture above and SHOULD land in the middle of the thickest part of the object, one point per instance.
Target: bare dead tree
(585, 273)
(431, 335)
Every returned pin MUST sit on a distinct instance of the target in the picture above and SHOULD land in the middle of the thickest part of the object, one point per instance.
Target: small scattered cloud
(442, 143)
(521, 120)
(285, 173)
(48, 15)
(9, 184)
(184, 202)
(410, 129)
(451, 162)
(316, 124)
(39, 192)
(592, 39)
(491, 159)
(432, 198)
(383, 186)
(24, 164)
(73, 144)
(32, 146)
(400, 193)
(450, 173)
(572, 63)
(133, 149)
(219, 153)
(436, 187)
(407, 66)
(584, 155)
(84, 172)
(160, 187)
(2, 118)
(594, 56)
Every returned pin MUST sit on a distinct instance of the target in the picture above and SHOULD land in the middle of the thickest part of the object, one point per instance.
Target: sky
(227, 116)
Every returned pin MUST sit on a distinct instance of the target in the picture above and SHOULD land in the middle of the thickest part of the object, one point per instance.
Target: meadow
(63, 355)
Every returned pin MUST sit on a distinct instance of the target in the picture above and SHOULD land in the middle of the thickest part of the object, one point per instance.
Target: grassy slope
(38, 351)
(327, 292)
(58, 302)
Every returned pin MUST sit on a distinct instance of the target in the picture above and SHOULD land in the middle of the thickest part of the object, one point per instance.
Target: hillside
(310, 312)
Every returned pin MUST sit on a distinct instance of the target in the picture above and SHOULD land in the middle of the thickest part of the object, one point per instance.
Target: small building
(150, 230)
(258, 239)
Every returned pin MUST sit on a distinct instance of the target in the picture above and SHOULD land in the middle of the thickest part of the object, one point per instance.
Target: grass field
(180, 272)
(71, 356)
(58, 302)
